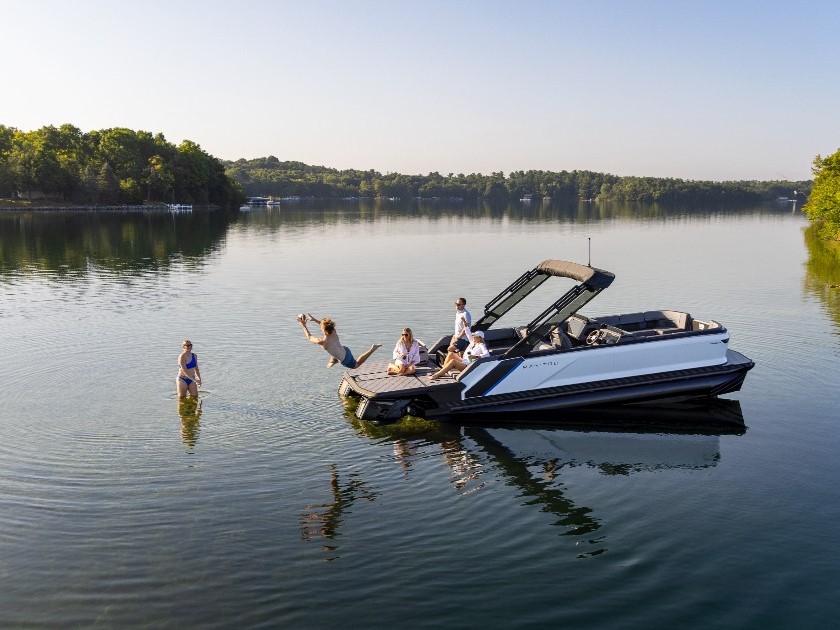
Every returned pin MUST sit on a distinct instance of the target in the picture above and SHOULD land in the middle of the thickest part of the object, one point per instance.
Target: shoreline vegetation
(269, 177)
(64, 168)
(823, 207)
(110, 167)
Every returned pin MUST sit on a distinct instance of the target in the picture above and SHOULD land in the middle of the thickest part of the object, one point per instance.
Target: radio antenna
(589, 262)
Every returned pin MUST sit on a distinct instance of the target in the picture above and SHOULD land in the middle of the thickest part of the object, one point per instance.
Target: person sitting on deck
(406, 355)
(454, 361)
(332, 344)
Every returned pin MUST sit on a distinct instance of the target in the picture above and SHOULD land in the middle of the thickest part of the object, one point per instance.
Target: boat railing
(510, 297)
(514, 286)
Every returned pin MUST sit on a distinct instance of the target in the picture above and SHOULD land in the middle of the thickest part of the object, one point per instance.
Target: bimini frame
(592, 282)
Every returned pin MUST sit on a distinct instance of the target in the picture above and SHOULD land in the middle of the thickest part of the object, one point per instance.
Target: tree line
(268, 176)
(109, 166)
(823, 207)
(122, 166)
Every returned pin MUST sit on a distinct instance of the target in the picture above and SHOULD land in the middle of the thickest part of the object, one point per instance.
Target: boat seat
(576, 325)
(701, 325)
(678, 319)
(631, 321)
(560, 340)
(424, 353)
(650, 332)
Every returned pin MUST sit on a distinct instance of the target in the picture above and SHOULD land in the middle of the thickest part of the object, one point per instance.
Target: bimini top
(596, 278)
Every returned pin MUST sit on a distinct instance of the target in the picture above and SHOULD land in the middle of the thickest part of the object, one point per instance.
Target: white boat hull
(587, 365)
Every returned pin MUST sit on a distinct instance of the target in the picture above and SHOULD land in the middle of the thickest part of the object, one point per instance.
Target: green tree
(108, 185)
(89, 185)
(7, 176)
(823, 207)
(496, 191)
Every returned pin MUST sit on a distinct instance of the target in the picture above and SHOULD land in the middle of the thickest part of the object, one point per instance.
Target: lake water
(271, 505)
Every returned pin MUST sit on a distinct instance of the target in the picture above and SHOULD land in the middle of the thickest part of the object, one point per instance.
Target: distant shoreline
(7, 205)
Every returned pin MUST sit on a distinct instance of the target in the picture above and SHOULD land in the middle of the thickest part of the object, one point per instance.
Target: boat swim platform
(373, 381)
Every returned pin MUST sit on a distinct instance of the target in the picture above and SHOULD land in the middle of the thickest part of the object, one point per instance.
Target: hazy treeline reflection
(370, 210)
(67, 242)
(822, 277)
(119, 242)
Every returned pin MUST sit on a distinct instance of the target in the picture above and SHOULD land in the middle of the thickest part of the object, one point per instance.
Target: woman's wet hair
(328, 325)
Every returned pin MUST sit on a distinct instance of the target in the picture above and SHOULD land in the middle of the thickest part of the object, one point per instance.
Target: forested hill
(270, 177)
(109, 166)
(122, 166)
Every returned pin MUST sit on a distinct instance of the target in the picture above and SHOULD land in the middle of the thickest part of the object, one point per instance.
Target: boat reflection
(712, 416)
(623, 440)
(532, 458)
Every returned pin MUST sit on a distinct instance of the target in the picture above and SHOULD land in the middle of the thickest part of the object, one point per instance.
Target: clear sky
(696, 89)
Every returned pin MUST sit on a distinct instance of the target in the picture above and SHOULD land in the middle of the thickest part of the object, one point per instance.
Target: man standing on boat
(463, 321)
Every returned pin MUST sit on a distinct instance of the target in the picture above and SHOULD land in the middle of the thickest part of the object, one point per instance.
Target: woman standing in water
(189, 376)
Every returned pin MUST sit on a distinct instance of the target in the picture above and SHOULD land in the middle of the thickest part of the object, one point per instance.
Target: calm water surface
(272, 505)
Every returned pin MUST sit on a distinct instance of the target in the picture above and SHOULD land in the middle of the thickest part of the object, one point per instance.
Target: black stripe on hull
(691, 383)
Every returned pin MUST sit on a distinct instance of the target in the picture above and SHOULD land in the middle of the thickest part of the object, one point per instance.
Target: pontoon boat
(560, 360)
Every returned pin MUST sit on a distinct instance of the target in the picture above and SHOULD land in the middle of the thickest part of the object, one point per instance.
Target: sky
(700, 90)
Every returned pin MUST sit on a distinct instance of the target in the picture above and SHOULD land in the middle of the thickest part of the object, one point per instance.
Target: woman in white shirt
(454, 361)
(406, 355)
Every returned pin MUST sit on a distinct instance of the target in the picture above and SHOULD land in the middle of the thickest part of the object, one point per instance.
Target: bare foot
(434, 377)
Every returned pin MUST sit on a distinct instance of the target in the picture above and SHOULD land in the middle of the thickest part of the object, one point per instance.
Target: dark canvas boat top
(591, 276)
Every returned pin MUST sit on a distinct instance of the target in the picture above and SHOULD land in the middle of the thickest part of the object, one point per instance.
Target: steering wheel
(593, 337)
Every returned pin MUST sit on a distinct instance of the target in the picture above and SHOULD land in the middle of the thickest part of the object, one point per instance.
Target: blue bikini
(193, 362)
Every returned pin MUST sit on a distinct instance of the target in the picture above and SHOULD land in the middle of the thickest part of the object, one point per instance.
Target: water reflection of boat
(623, 440)
(718, 416)
(533, 458)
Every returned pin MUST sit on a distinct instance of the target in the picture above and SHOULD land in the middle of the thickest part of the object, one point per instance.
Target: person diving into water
(331, 343)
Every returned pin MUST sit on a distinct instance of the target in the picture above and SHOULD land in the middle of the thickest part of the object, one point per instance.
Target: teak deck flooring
(373, 378)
